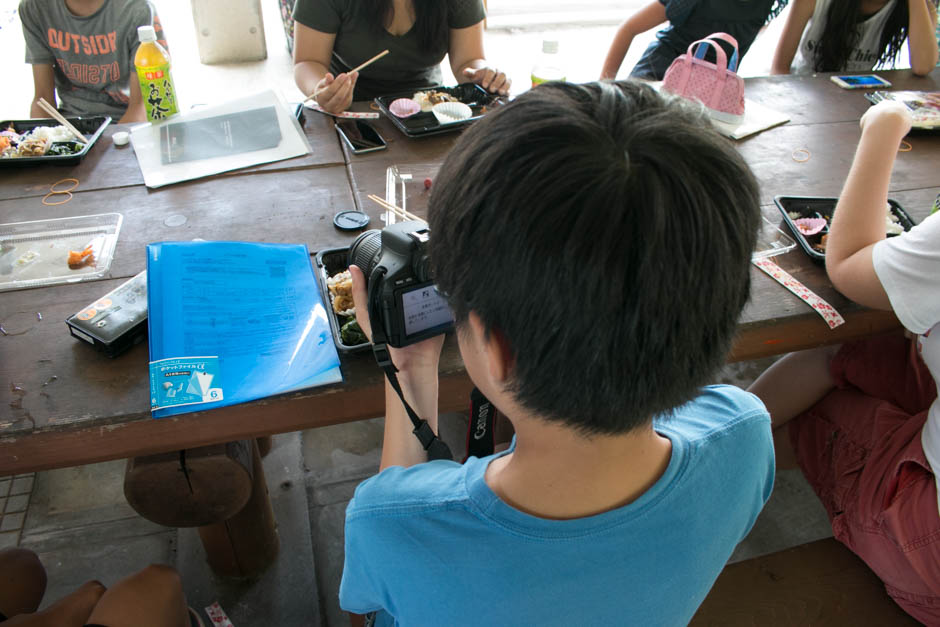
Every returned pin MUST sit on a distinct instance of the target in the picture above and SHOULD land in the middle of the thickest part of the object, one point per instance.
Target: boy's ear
(499, 358)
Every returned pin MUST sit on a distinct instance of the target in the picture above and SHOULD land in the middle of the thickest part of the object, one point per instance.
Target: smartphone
(360, 136)
(862, 81)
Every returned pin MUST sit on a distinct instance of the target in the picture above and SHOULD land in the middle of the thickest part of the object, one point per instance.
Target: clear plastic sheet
(237, 134)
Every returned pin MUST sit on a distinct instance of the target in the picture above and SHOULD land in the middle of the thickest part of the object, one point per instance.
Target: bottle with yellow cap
(153, 71)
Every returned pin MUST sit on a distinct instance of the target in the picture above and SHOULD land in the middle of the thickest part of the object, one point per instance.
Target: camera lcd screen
(424, 308)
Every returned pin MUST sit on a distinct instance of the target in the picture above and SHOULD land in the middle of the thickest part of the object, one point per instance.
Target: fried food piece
(81, 258)
(340, 287)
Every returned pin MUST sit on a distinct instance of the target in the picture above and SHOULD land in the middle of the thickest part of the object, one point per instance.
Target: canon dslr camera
(404, 305)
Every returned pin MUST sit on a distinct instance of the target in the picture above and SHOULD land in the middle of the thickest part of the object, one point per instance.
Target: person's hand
(422, 357)
(335, 95)
(489, 79)
(889, 115)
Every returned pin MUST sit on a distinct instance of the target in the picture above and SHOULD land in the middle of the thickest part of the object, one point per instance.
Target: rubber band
(45, 199)
(53, 190)
(801, 151)
(374, 106)
(903, 149)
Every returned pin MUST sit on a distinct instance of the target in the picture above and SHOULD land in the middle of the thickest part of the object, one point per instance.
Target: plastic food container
(91, 127)
(822, 207)
(426, 123)
(35, 254)
(328, 263)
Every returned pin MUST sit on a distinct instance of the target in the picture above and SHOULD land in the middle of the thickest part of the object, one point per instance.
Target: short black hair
(606, 231)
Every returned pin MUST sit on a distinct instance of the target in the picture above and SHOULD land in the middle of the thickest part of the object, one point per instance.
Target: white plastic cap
(146, 33)
(549, 46)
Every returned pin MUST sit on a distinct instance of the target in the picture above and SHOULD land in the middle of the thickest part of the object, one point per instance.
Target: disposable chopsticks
(48, 108)
(398, 211)
(355, 69)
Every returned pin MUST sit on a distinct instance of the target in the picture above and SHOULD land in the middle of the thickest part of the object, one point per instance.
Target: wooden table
(75, 406)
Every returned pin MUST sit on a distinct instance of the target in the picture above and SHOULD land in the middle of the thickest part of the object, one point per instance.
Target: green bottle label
(158, 92)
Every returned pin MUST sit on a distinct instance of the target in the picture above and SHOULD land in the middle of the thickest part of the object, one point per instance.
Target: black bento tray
(329, 262)
(822, 207)
(91, 127)
(424, 123)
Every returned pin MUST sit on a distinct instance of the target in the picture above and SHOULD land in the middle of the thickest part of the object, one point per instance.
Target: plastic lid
(549, 46)
(350, 220)
(146, 33)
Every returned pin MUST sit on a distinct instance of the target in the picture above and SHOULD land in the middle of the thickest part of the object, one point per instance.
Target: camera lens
(366, 250)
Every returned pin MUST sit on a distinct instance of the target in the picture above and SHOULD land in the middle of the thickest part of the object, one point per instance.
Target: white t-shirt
(908, 267)
(863, 56)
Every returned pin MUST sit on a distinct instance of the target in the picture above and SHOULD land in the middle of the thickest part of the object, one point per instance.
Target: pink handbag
(716, 85)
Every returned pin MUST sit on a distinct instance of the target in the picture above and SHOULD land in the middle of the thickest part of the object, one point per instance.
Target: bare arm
(921, 39)
(312, 52)
(43, 87)
(859, 220)
(135, 107)
(650, 16)
(797, 19)
(417, 366)
(467, 60)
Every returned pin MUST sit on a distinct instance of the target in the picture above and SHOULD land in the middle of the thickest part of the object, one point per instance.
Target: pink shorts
(860, 449)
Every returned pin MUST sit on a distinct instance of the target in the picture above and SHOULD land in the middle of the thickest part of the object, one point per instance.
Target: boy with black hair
(594, 244)
(83, 52)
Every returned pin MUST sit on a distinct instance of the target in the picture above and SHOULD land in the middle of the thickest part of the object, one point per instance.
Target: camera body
(404, 304)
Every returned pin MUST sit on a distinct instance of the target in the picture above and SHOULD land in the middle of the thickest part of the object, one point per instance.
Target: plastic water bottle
(153, 71)
(548, 66)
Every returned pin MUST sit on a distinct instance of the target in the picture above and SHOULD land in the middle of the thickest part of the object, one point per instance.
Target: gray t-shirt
(93, 56)
(406, 67)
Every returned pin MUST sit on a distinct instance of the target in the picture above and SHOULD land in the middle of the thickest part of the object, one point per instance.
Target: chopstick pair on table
(398, 211)
(314, 95)
(48, 108)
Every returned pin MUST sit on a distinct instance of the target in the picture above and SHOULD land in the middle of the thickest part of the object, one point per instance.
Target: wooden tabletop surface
(107, 166)
(62, 403)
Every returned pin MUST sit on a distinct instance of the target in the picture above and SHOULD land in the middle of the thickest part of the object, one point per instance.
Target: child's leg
(69, 611)
(789, 387)
(22, 582)
(795, 383)
(887, 367)
(151, 598)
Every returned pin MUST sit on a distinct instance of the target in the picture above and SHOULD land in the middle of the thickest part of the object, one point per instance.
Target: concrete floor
(77, 518)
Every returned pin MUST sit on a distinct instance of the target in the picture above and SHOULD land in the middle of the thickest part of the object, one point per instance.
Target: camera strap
(481, 437)
(435, 447)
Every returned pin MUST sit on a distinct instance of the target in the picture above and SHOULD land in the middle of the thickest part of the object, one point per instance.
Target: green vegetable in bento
(351, 334)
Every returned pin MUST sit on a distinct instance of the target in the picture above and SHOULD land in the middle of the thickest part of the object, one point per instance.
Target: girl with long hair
(856, 35)
(333, 36)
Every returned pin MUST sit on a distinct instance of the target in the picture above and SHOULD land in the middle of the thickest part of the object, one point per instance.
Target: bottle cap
(146, 33)
(549, 46)
(121, 138)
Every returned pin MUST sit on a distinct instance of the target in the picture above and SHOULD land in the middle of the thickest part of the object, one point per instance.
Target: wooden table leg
(221, 490)
(246, 543)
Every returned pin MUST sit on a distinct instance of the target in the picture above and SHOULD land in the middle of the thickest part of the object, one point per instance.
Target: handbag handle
(733, 63)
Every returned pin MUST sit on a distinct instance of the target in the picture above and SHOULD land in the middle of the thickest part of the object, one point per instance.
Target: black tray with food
(330, 263)
(424, 122)
(21, 145)
(809, 217)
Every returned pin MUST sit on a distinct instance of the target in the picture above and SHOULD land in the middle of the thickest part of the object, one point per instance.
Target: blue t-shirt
(691, 20)
(434, 545)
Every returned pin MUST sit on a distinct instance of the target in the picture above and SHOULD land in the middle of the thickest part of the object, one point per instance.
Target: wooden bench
(820, 583)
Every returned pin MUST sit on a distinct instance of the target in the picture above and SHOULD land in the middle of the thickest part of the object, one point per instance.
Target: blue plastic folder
(232, 322)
